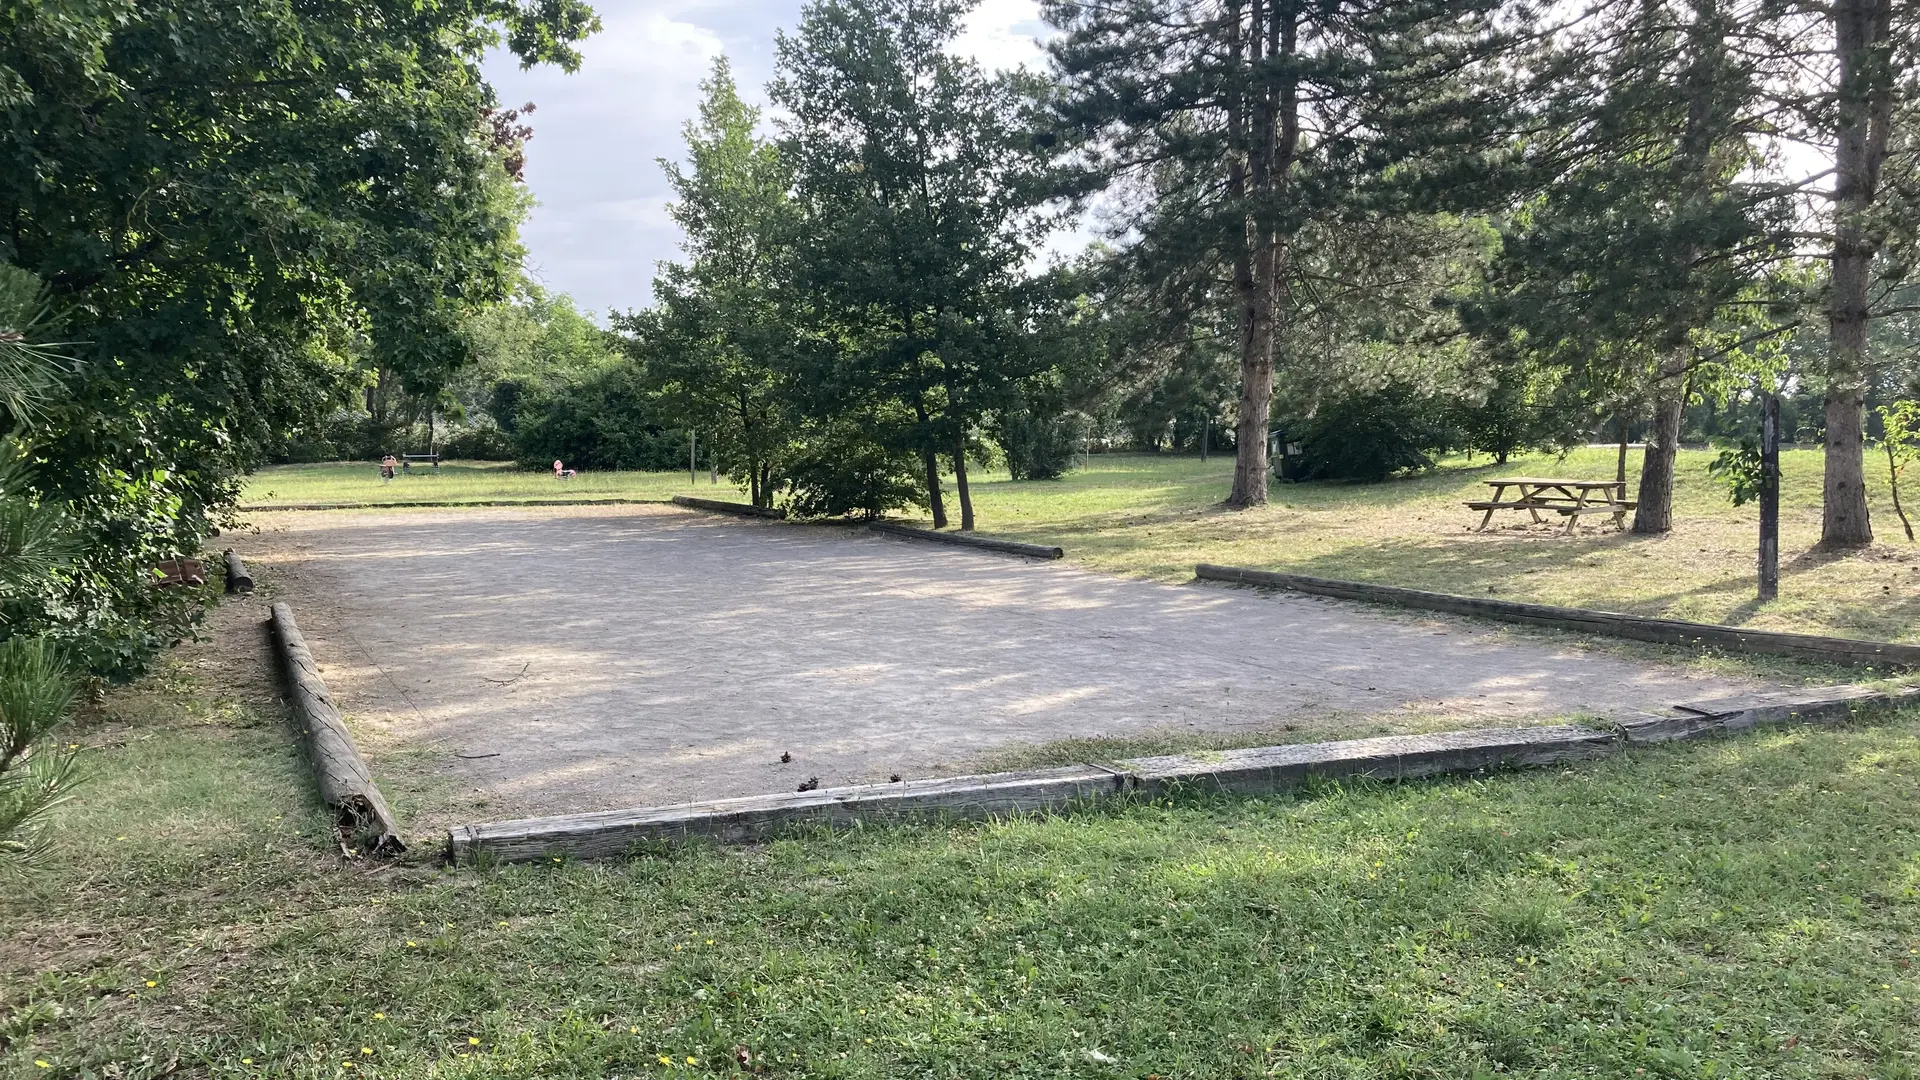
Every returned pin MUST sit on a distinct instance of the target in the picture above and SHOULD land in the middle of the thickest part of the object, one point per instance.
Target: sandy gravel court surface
(498, 663)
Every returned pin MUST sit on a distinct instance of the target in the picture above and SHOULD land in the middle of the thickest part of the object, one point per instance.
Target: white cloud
(1004, 34)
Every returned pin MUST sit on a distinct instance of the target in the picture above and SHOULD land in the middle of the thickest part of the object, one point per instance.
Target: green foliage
(1900, 439)
(1371, 434)
(608, 419)
(842, 469)
(36, 696)
(1738, 469)
(237, 209)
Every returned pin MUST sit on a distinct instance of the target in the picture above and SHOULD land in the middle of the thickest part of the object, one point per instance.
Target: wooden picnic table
(1569, 498)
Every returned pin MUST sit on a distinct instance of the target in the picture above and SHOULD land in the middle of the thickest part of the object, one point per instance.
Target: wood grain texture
(1637, 627)
(722, 507)
(1729, 716)
(1008, 547)
(361, 817)
(1258, 771)
(451, 504)
(239, 581)
(761, 817)
(1269, 769)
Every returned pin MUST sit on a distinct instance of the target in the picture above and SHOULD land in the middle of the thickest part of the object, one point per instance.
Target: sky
(601, 222)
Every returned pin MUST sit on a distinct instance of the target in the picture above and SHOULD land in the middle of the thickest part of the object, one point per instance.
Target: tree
(718, 341)
(233, 204)
(1235, 126)
(1648, 226)
(918, 186)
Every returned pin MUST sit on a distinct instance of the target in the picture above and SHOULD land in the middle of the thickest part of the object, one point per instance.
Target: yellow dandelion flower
(379, 1016)
(411, 945)
(709, 941)
(690, 1060)
(366, 1049)
(471, 1041)
(43, 1064)
(150, 982)
(633, 1031)
(246, 1061)
(665, 1060)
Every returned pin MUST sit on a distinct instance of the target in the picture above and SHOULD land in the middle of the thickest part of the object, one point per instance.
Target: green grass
(1742, 908)
(1158, 516)
(462, 481)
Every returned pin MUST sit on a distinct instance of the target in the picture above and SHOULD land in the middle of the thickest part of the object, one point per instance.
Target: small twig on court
(475, 757)
(509, 682)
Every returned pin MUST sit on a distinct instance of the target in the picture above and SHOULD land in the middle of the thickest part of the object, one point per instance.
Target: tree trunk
(931, 460)
(1273, 133)
(960, 480)
(1865, 104)
(1620, 463)
(1655, 513)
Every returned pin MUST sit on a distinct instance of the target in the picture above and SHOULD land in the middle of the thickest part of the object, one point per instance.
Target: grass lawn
(1159, 516)
(462, 481)
(1745, 908)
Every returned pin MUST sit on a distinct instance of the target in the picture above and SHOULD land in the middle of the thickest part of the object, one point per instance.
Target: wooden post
(1620, 468)
(1770, 497)
(1206, 433)
(693, 457)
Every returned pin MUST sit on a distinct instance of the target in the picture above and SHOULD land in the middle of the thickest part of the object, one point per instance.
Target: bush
(841, 471)
(1371, 434)
(605, 421)
(476, 442)
(36, 695)
(1041, 447)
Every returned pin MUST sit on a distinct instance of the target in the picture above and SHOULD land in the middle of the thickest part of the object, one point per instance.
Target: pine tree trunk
(1861, 27)
(1655, 512)
(1272, 127)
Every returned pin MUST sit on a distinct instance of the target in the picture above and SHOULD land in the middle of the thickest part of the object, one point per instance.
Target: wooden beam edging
(719, 506)
(1258, 771)
(1832, 650)
(238, 579)
(1010, 547)
(362, 821)
(267, 508)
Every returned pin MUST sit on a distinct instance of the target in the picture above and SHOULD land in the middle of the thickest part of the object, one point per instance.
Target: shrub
(842, 471)
(1371, 434)
(1041, 447)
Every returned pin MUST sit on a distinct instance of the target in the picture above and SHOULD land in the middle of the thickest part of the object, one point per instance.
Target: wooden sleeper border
(362, 822)
(1831, 650)
(720, 506)
(450, 504)
(1009, 547)
(1258, 771)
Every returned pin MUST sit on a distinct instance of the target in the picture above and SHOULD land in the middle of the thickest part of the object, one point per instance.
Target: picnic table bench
(407, 460)
(1568, 498)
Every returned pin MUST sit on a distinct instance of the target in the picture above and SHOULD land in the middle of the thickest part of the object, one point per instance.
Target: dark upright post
(1770, 497)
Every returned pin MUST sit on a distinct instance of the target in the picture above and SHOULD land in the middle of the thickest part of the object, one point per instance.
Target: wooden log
(1728, 716)
(1831, 650)
(761, 817)
(721, 507)
(1009, 547)
(1268, 769)
(362, 820)
(267, 508)
(238, 580)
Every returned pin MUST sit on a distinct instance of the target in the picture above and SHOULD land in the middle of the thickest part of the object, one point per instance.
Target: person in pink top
(561, 472)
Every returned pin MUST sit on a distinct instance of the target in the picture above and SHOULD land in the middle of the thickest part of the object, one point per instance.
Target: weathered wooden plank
(238, 579)
(721, 507)
(1268, 769)
(1637, 627)
(1009, 547)
(1726, 716)
(452, 504)
(760, 817)
(361, 817)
